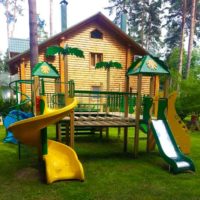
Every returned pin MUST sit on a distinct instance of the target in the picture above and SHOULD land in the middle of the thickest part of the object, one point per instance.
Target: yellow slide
(61, 161)
(177, 126)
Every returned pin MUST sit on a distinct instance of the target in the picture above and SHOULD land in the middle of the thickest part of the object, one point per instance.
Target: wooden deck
(94, 122)
(103, 121)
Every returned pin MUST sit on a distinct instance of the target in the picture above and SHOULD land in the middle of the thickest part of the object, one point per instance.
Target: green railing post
(71, 88)
(43, 87)
(17, 92)
(162, 105)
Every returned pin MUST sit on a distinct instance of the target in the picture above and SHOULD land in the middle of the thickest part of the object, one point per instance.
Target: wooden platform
(103, 121)
(95, 122)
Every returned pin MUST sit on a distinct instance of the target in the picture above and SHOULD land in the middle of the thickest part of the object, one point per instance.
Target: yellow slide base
(62, 163)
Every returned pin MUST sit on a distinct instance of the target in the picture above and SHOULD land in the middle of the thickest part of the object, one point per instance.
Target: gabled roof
(98, 18)
(149, 66)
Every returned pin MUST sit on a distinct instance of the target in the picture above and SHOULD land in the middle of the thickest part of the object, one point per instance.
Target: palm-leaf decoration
(52, 50)
(107, 65)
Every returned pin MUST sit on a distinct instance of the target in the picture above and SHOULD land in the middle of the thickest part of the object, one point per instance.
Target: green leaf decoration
(52, 50)
(73, 51)
(108, 65)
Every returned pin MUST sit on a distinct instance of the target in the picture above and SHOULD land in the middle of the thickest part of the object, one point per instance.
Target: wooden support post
(119, 132)
(166, 87)
(72, 128)
(126, 97)
(101, 132)
(66, 76)
(125, 138)
(150, 137)
(157, 86)
(23, 77)
(67, 132)
(128, 62)
(107, 132)
(151, 86)
(35, 94)
(151, 141)
(101, 98)
(58, 131)
(137, 118)
(57, 91)
(62, 70)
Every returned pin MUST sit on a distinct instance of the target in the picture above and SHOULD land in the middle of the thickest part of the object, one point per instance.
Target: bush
(188, 101)
(6, 105)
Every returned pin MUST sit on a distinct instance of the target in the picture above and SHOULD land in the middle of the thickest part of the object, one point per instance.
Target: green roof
(45, 70)
(149, 66)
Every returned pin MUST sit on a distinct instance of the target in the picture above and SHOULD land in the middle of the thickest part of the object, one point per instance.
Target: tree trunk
(180, 64)
(15, 12)
(66, 79)
(50, 17)
(33, 33)
(191, 38)
(142, 25)
(8, 28)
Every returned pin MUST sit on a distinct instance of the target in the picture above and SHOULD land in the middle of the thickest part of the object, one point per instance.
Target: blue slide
(12, 117)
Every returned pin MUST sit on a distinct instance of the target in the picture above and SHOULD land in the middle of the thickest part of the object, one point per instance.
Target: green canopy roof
(149, 66)
(45, 70)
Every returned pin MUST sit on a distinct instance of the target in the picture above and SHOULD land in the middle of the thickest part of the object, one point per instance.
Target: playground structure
(61, 161)
(158, 121)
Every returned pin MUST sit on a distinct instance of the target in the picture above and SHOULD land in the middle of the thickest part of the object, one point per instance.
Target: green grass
(110, 173)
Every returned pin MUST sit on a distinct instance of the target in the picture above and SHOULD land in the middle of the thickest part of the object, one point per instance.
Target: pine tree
(42, 34)
(191, 37)
(143, 20)
(174, 13)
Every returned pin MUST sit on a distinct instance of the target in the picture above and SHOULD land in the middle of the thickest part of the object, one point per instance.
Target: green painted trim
(43, 86)
(147, 104)
(71, 88)
(102, 92)
(162, 106)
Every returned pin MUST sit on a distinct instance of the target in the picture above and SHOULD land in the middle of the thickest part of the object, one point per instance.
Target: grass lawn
(110, 173)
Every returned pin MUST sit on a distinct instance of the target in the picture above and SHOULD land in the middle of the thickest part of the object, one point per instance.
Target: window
(96, 89)
(95, 58)
(96, 34)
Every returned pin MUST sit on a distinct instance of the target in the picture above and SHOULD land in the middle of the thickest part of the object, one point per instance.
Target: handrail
(103, 92)
(16, 82)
